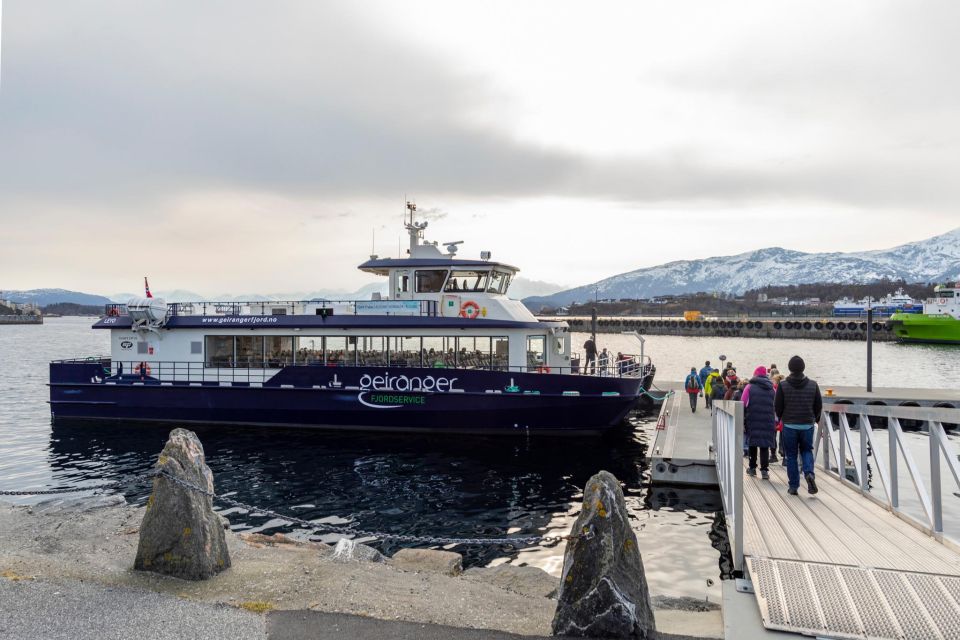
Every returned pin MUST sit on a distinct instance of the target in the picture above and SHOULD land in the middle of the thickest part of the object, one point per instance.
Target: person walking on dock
(798, 404)
(712, 378)
(693, 387)
(759, 421)
(717, 390)
(704, 372)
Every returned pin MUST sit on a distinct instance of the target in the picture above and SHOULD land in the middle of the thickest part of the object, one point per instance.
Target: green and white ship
(938, 324)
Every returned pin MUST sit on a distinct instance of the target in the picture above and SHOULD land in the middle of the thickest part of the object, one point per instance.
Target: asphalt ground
(75, 610)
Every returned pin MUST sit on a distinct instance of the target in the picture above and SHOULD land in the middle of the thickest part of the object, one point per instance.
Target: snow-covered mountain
(933, 260)
(43, 297)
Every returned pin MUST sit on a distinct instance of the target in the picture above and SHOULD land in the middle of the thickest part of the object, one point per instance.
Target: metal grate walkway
(838, 565)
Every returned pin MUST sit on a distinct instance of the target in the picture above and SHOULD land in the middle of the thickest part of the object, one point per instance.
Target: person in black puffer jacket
(798, 404)
(759, 421)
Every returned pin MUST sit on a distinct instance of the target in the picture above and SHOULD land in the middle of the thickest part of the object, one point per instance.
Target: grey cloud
(114, 102)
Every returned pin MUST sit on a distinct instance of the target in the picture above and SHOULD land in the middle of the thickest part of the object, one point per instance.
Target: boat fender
(469, 309)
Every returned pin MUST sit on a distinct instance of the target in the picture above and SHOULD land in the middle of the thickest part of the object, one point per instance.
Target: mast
(414, 229)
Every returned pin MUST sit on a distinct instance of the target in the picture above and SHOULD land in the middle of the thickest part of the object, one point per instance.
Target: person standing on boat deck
(693, 387)
(591, 349)
(798, 404)
(604, 361)
(759, 421)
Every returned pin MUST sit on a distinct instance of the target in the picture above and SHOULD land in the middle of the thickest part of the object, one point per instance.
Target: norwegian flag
(146, 286)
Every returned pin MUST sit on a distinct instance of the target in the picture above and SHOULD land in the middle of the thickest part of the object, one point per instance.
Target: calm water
(830, 362)
(404, 484)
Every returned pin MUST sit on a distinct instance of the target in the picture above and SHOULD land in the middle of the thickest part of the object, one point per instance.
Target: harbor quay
(788, 328)
(176, 557)
(27, 318)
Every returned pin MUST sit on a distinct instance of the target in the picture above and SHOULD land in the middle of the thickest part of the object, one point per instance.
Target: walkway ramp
(846, 562)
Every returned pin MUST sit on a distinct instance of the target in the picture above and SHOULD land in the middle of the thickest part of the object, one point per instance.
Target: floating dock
(681, 451)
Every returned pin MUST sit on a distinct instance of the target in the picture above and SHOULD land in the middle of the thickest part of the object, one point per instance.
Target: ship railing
(422, 308)
(257, 371)
(851, 450)
(728, 457)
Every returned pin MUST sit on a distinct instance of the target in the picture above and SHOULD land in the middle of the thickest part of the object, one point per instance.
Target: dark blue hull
(476, 401)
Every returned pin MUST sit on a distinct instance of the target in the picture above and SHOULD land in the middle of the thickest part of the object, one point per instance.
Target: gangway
(866, 556)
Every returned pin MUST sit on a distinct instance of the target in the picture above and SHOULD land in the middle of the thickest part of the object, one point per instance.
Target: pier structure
(864, 557)
(804, 328)
(26, 318)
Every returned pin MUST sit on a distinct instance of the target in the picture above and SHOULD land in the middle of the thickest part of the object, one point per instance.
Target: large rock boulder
(428, 560)
(181, 535)
(603, 589)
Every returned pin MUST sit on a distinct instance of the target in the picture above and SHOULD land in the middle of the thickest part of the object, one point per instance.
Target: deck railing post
(864, 436)
(894, 472)
(842, 458)
(936, 499)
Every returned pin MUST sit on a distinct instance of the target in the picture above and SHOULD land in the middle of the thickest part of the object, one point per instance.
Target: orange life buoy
(143, 367)
(942, 301)
(113, 312)
(469, 309)
(543, 369)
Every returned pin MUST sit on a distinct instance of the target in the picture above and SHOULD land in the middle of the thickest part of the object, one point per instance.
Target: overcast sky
(234, 146)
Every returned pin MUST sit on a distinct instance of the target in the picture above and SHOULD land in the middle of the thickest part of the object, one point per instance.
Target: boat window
(219, 351)
(467, 281)
(404, 351)
(439, 352)
(473, 353)
(249, 351)
(279, 351)
(536, 345)
(337, 353)
(430, 281)
(371, 351)
(506, 283)
(496, 284)
(309, 350)
(501, 353)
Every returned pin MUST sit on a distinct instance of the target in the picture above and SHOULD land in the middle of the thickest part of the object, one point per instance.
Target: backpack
(692, 383)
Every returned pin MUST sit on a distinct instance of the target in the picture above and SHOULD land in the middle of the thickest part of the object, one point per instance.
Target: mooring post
(593, 324)
(869, 348)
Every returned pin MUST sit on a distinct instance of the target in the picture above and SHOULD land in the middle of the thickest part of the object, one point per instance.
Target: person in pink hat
(759, 421)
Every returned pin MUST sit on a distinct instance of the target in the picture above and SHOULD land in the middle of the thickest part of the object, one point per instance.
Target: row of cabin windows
(396, 351)
(437, 280)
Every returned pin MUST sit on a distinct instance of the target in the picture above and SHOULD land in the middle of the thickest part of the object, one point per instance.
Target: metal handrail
(267, 307)
(728, 456)
(260, 371)
(836, 440)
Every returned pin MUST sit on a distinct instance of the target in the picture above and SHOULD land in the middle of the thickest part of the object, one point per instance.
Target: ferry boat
(898, 302)
(445, 350)
(938, 324)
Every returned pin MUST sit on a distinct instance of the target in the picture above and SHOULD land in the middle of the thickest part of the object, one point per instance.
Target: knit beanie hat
(796, 364)
(760, 372)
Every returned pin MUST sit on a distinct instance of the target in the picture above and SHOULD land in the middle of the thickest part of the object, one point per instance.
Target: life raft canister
(469, 309)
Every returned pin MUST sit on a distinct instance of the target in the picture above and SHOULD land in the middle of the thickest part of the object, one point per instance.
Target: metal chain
(309, 525)
(350, 530)
(109, 485)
